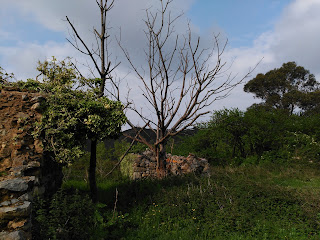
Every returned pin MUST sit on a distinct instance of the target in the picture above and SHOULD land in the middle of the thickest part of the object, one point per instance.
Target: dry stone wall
(145, 165)
(25, 170)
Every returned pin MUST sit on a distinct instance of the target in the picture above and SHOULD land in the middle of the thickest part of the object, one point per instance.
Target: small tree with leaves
(72, 116)
(102, 66)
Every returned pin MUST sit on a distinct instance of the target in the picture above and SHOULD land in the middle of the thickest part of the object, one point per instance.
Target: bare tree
(179, 82)
(99, 57)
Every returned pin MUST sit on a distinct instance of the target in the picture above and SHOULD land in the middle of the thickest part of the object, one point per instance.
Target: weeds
(234, 203)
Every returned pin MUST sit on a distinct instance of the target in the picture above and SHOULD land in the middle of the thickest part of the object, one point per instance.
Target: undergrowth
(249, 202)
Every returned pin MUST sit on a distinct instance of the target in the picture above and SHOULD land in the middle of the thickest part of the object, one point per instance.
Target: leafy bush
(126, 166)
(67, 215)
(259, 135)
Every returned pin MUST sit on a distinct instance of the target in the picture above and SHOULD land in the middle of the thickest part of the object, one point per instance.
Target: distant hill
(148, 134)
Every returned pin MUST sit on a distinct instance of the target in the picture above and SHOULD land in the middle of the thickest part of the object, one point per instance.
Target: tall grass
(249, 202)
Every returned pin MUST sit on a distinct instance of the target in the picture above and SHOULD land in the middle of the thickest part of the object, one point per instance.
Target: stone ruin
(144, 165)
(25, 170)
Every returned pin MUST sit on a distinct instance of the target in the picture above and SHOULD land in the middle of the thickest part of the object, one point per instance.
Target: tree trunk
(92, 171)
(161, 160)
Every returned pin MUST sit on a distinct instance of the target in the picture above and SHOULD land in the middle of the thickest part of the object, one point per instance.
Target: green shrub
(126, 166)
(305, 148)
(67, 215)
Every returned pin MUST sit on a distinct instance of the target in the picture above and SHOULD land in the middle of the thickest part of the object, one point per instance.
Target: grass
(252, 202)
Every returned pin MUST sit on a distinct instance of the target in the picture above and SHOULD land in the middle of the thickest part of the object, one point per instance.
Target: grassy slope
(233, 203)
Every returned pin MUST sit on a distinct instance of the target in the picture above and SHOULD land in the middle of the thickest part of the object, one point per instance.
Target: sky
(268, 32)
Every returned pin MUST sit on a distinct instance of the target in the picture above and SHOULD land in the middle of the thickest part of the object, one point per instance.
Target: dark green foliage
(222, 140)
(234, 203)
(67, 215)
(259, 135)
(72, 116)
(286, 88)
(266, 130)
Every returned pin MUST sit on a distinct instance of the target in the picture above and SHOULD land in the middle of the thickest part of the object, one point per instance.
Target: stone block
(36, 107)
(25, 197)
(5, 163)
(19, 160)
(16, 235)
(16, 185)
(18, 211)
(22, 115)
(24, 97)
(38, 99)
(5, 150)
(38, 146)
(3, 132)
(5, 203)
(19, 224)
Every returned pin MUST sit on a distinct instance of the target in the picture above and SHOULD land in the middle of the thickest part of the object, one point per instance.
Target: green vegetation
(250, 202)
(288, 88)
(5, 77)
(264, 181)
(264, 184)
(257, 136)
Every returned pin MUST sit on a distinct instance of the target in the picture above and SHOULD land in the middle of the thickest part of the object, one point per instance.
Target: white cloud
(295, 38)
(126, 15)
(23, 59)
(297, 34)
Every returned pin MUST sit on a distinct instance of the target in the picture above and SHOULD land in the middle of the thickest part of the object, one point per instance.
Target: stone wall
(25, 170)
(144, 165)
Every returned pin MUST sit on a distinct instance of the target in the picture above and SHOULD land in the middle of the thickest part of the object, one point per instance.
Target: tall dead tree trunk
(180, 80)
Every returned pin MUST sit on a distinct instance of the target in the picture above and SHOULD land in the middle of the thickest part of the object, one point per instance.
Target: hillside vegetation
(264, 184)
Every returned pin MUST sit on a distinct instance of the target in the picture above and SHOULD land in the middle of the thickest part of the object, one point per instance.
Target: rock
(25, 197)
(38, 99)
(136, 175)
(19, 161)
(152, 165)
(16, 235)
(5, 150)
(5, 164)
(19, 224)
(38, 146)
(14, 201)
(24, 97)
(23, 210)
(22, 115)
(18, 171)
(33, 164)
(145, 165)
(36, 106)
(16, 185)
(139, 169)
(6, 203)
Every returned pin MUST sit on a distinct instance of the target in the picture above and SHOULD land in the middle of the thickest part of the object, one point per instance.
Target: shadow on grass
(128, 194)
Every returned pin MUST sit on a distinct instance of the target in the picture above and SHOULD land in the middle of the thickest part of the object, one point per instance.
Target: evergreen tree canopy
(287, 87)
